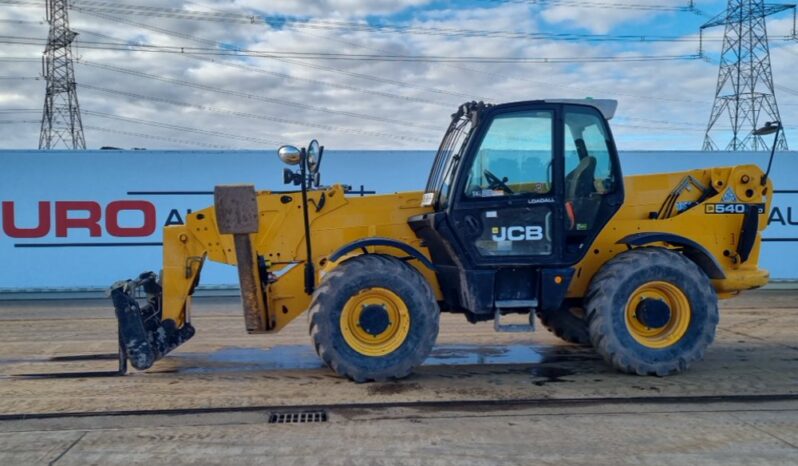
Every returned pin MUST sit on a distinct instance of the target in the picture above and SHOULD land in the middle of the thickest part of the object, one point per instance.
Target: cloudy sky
(208, 97)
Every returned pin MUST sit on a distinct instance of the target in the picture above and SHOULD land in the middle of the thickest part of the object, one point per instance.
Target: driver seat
(581, 181)
(579, 185)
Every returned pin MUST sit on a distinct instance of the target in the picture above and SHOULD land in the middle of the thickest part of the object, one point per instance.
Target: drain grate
(300, 417)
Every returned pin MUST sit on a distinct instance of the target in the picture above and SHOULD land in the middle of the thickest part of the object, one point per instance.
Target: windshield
(449, 153)
(514, 157)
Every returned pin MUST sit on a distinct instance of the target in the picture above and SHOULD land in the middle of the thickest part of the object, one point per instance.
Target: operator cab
(519, 192)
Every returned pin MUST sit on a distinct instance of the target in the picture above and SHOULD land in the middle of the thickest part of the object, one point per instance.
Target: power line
(291, 22)
(361, 90)
(252, 115)
(475, 70)
(246, 95)
(543, 83)
(673, 128)
(20, 60)
(257, 69)
(188, 129)
(185, 50)
(399, 83)
(282, 22)
(288, 22)
(248, 17)
(22, 21)
(404, 84)
(304, 64)
(690, 8)
(152, 136)
(262, 116)
(513, 77)
(786, 89)
(669, 127)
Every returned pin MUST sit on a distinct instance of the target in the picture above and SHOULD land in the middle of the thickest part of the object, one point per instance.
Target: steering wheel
(496, 182)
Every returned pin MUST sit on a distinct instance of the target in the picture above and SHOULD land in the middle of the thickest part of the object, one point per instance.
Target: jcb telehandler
(525, 211)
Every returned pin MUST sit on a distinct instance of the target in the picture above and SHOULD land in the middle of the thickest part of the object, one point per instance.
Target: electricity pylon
(61, 123)
(745, 80)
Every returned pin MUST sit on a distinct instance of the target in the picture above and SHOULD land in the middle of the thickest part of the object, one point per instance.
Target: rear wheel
(569, 322)
(374, 318)
(651, 311)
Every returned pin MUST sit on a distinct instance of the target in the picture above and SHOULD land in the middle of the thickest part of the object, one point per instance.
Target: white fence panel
(74, 220)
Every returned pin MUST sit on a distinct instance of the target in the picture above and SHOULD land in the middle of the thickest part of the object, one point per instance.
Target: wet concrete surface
(239, 379)
(303, 357)
(756, 352)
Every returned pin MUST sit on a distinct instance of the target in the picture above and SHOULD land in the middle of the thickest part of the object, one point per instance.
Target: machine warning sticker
(732, 208)
(729, 196)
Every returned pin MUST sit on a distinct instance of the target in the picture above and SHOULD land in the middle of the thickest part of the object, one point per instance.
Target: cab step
(507, 307)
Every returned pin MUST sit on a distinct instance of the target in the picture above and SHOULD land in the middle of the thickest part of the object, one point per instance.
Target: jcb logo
(517, 233)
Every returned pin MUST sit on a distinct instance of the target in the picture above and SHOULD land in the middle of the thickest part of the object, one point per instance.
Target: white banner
(75, 220)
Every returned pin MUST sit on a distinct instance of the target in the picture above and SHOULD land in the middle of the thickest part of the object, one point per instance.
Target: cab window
(589, 168)
(514, 157)
(588, 165)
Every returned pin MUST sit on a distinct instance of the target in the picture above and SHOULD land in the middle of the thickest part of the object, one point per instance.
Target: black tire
(569, 322)
(347, 280)
(609, 294)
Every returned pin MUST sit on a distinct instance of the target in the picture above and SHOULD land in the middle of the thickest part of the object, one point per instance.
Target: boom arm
(264, 234)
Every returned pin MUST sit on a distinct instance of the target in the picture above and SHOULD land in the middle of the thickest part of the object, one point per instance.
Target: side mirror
(314, 153)
(290, 155)
(769, 128)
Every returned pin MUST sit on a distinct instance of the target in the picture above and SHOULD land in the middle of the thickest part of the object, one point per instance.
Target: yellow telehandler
(525, 211)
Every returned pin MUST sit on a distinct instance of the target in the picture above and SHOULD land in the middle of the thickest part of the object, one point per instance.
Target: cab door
(592, 178)
(505, 208)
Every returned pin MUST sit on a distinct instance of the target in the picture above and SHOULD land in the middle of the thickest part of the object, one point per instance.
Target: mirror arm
(772, 153)
(310, 274)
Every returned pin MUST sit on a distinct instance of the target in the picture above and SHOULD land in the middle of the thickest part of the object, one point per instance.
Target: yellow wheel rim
(375, 322)
(668, 325)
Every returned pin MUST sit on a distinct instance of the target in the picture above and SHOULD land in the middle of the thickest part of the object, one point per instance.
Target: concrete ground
(481, 398)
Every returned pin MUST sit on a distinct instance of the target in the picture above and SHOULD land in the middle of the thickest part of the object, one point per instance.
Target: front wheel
(374, 318)
(651, 311)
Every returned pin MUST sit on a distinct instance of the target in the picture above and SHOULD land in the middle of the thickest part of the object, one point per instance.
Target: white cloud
(599, 21)
(316, 7)
(330, 99)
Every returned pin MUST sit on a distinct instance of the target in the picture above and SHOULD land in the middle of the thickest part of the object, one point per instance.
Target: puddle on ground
(236, 359)
(303, 357)
(481, 354)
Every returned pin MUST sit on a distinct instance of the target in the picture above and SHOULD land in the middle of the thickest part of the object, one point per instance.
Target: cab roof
(607, 107)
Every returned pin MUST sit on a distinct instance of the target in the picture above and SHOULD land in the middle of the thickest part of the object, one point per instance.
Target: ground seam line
(51, 463)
